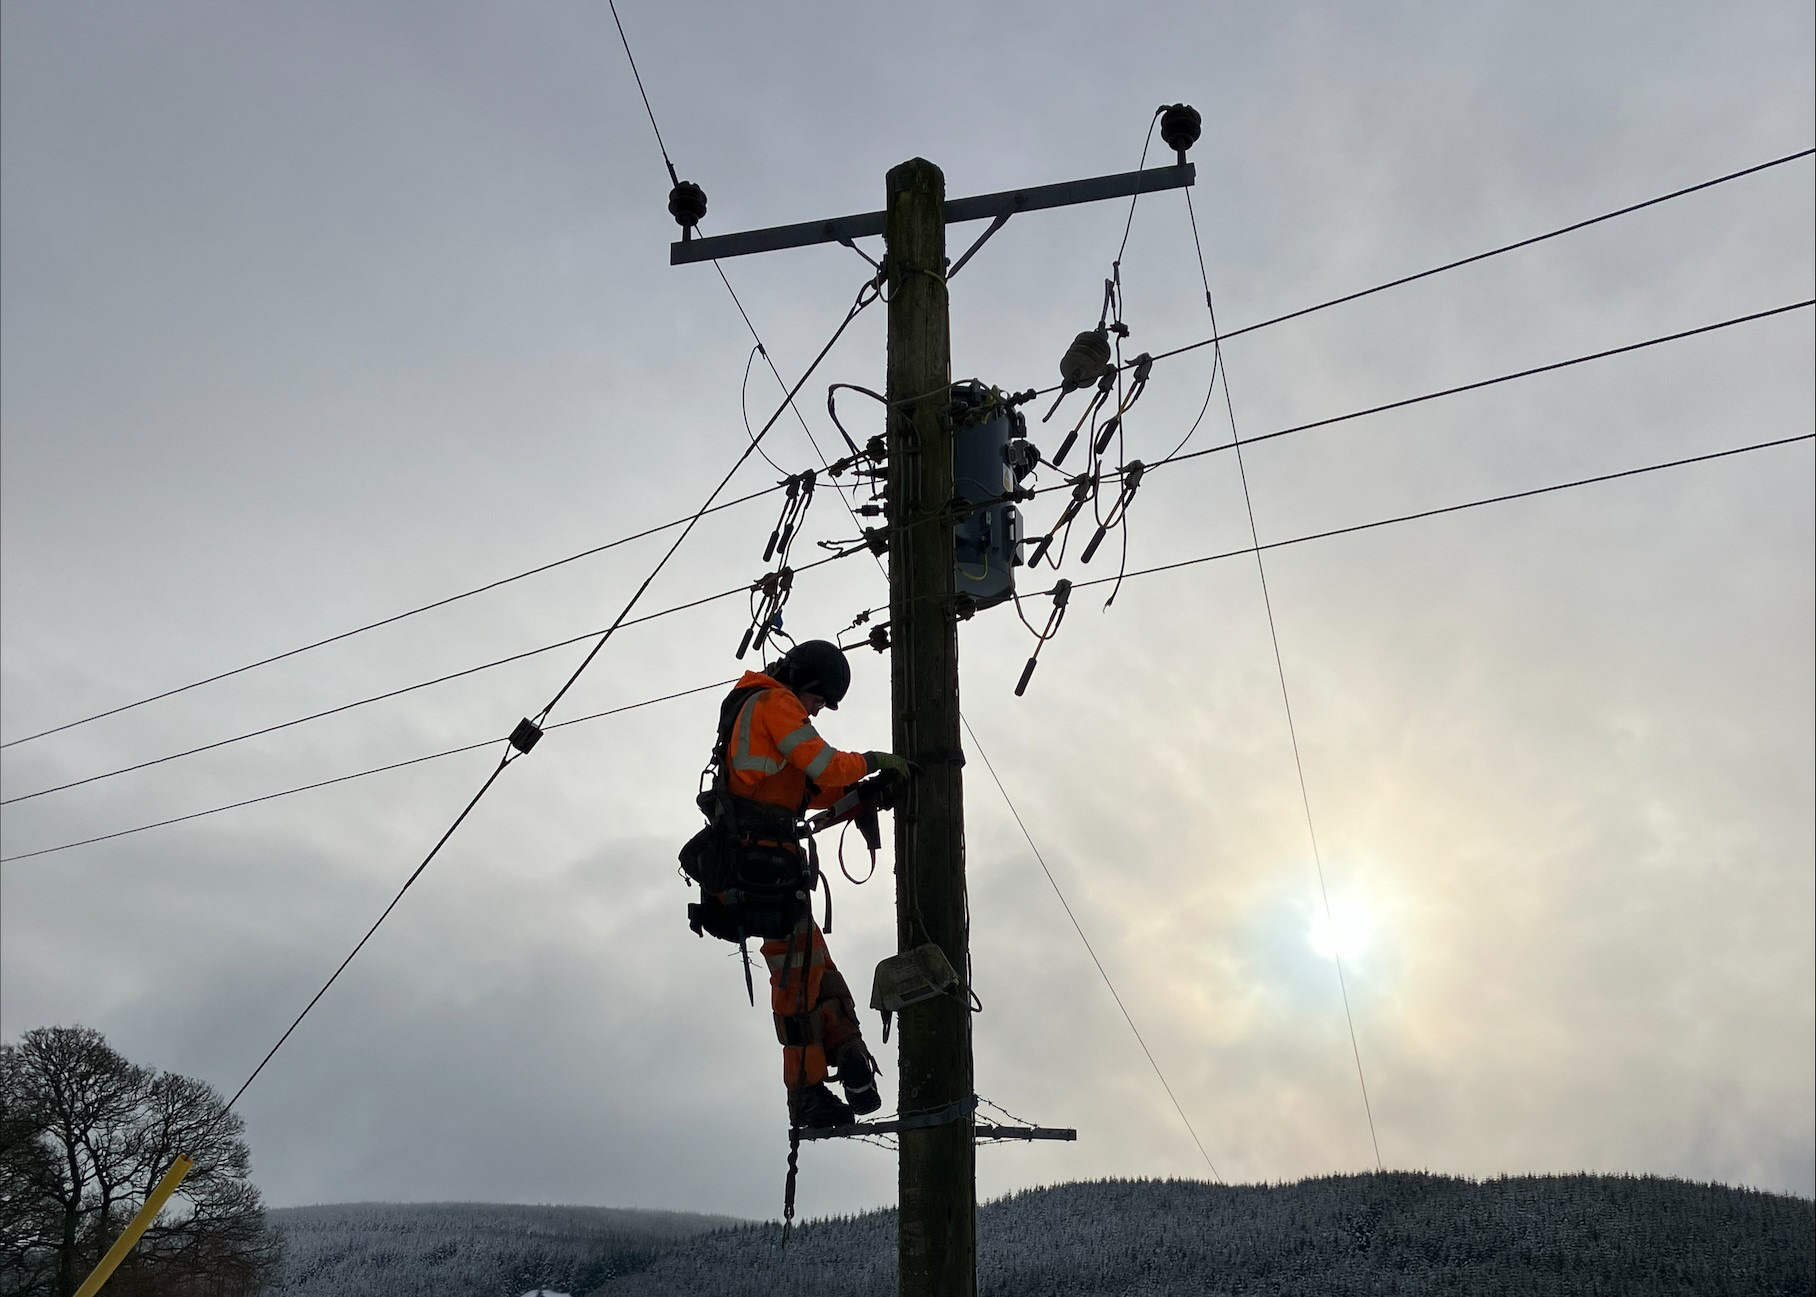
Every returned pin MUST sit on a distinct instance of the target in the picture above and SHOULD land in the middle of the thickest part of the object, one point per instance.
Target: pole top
(904, 174)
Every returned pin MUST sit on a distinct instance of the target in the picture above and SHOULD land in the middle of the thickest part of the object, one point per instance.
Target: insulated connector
(526, 735)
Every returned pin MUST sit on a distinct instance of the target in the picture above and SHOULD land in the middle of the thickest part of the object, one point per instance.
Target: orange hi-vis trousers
(816, 1018)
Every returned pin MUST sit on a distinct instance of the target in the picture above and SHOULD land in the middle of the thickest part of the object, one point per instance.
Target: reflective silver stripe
(789, 742)
(740, 739)
(763, 765)
(817, 766)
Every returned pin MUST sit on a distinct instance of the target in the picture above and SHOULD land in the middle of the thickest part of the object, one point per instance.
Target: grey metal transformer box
(990, 456)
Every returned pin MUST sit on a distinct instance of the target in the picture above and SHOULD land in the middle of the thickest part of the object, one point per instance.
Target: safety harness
(756, 878)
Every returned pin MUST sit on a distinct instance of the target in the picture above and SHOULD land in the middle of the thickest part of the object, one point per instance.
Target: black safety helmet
(817, 665)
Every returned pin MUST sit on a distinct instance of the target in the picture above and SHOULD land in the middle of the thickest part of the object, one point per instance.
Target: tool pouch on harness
(767, 891)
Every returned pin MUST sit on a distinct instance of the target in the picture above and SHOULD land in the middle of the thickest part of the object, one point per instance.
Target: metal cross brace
(895, 1127)
(998, 207)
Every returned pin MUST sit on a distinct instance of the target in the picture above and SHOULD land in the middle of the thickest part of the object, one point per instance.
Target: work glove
(875, 761)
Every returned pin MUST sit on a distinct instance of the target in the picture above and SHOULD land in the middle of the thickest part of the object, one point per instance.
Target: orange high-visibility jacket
(774, 750)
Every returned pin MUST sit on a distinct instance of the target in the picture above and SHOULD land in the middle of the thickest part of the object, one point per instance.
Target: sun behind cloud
(1346, 932)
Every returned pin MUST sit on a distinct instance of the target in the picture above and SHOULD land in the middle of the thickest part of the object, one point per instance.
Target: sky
(313, 314)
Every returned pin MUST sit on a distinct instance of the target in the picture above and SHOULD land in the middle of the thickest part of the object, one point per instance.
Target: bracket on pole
(998, 207)
(895, 1127)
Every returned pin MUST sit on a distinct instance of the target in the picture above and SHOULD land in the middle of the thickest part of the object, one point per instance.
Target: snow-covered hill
(450, 1249)
(1399, 1234)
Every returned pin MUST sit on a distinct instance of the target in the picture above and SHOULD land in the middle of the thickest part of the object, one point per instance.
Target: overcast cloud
(314, 313)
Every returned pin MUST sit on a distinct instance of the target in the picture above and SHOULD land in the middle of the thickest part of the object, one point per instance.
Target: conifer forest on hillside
(1397, 1234)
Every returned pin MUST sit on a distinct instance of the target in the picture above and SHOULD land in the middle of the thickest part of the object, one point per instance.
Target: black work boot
(857, 1075)
(815, 1106)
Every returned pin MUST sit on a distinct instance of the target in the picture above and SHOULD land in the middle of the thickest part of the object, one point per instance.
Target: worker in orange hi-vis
(770, 766)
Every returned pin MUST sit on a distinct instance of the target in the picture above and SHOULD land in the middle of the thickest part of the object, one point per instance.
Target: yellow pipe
(154, 1203)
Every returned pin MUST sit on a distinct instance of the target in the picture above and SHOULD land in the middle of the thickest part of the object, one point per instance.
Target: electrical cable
(744, 408)
(410, 688)
(1452, 508)
(1216, 350)
(1466, 387)
(813, 441)
(358, 774)
(673, 178)
(866, 295)
(1146, 143)
(1165, 567)
(1076, 927)
(757, 338)
(1292, 727)
(1464, 261)
(397, 617)
(534, 728)
(1278, 319)
(767, 360)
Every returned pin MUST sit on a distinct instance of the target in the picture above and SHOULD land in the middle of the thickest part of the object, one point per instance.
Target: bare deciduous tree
(84, 1135)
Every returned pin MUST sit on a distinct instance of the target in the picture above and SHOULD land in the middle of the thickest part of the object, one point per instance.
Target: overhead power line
(674, 178)
(1090, 950)
(1449, 508)
(357, 774)
(1249, 328)
(641, 91)
(529, 731)
(1292, 726)
(410, 688)
(1176, 459)
(1140, 572)
(1457, 390)
(386, 621)
(1470, 260)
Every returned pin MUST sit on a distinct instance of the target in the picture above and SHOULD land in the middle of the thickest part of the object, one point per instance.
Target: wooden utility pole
(937, 1170)
(936, 1127)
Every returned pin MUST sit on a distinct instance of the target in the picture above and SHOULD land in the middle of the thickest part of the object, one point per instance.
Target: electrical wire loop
(1105, 385)
(1083, 487)
(1131, 482)
(1062, 595)
(768, 594)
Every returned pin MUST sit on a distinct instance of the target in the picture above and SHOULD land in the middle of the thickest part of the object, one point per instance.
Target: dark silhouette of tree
(84, 1136)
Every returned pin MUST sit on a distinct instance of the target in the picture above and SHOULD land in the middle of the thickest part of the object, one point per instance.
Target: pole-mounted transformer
(990, 457)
